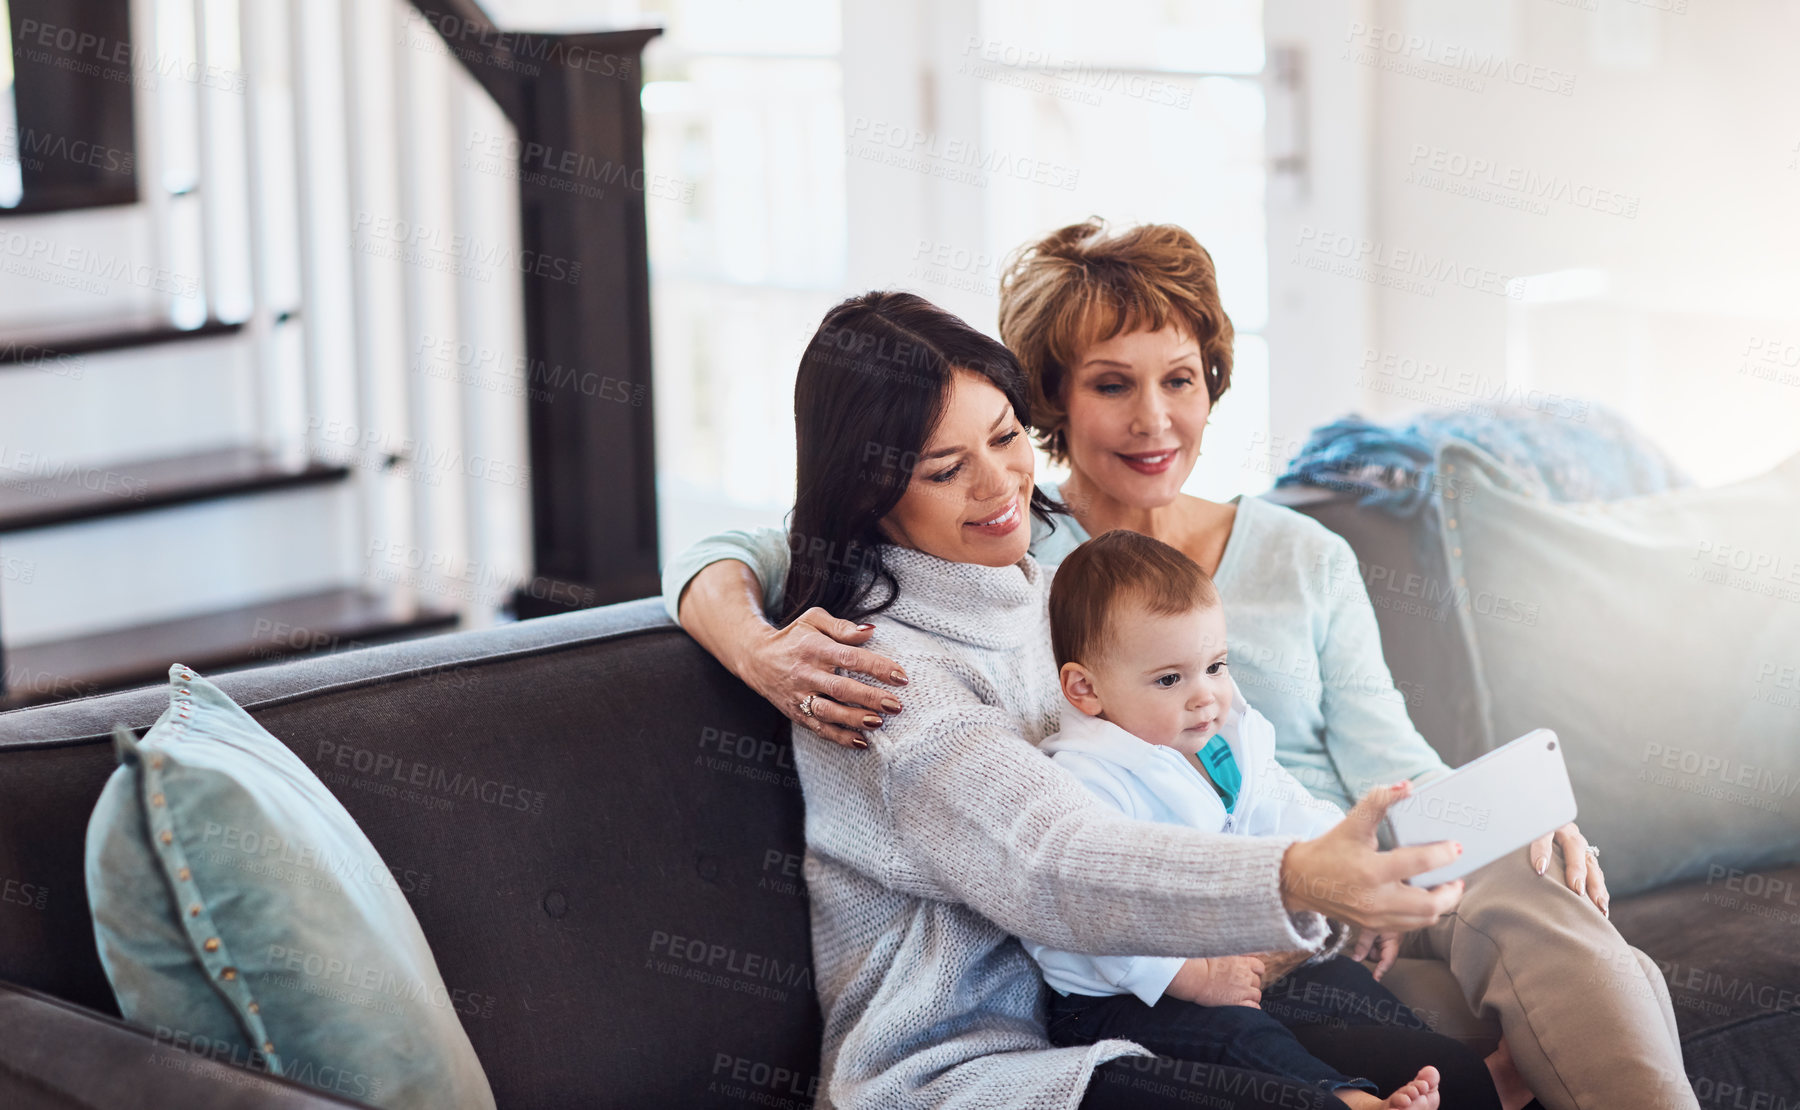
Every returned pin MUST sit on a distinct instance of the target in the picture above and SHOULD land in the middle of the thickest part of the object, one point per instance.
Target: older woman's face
(969, 497)
(1137, 405)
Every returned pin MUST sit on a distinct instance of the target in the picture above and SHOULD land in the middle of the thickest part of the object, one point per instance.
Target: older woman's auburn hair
(1083, 284)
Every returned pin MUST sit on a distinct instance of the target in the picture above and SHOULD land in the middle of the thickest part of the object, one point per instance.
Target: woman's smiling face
(1137, 406)
(969, 497)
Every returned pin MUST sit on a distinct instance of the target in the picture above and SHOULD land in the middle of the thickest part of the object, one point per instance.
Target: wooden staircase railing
(574, 99)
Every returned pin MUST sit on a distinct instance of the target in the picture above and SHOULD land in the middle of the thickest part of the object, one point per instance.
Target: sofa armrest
(57, 1056)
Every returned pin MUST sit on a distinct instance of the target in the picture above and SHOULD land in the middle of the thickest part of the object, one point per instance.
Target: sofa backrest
(599, 829)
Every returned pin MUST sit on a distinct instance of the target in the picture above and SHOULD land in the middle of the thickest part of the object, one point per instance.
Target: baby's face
(1163, 678)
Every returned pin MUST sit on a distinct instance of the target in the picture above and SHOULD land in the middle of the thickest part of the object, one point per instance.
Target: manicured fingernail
(859, 741)
(1458, 848)
(864, 627)
(1541, 864)
(870, 720)
(898, 676)
(890, 705)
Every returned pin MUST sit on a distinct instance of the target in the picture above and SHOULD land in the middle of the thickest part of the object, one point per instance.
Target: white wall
(1319, 323)
(1649, 146)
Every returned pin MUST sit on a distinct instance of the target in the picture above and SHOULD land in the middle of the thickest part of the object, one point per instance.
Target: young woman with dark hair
(871, 386)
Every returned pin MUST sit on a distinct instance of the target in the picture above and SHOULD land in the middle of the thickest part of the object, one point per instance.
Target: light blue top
(1304, 646)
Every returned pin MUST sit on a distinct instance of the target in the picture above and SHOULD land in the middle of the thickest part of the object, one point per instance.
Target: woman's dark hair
(871, 388)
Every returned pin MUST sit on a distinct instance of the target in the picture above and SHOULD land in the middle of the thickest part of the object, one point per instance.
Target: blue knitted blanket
(1597, 458)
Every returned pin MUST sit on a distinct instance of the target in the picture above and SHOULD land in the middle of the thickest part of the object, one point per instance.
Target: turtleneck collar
(988, 607)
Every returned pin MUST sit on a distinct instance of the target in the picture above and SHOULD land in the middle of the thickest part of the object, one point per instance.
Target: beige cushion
(1660, 637)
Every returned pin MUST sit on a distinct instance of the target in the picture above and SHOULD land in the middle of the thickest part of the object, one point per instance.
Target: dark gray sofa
(636, 932)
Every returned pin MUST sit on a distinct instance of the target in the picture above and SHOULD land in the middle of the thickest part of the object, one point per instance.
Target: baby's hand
(1386, 944)
(1220, 981)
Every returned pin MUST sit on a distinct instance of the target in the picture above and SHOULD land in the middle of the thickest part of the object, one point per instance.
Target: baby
(1155, 727)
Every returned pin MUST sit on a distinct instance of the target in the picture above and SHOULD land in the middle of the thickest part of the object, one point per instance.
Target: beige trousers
(1587, 1016)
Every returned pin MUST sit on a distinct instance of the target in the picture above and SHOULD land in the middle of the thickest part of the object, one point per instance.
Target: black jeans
(1320, 1026)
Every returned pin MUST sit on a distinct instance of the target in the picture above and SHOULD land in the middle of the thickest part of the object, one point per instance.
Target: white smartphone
(1492, 805)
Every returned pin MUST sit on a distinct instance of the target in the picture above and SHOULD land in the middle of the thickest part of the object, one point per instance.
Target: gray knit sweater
(952, 834)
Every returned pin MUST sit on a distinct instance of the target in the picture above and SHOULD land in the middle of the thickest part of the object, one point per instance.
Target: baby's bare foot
(1420, 1094)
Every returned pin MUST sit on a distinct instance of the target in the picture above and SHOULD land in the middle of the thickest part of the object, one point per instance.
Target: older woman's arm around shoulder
(720, 588)
(985, 819)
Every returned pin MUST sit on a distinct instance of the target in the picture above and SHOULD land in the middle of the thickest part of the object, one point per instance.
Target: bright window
(743, 107)
(1154, 113)
(1151, 115)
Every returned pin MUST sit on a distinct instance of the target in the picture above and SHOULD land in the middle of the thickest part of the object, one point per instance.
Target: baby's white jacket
(1149, 782)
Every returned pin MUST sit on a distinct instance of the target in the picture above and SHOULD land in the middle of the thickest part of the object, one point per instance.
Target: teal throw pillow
(241, 914)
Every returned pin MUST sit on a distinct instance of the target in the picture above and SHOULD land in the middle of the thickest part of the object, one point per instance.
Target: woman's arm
(983, 818)
(718, 590)
(1368, 733)
(762, 551)
(1147, 977)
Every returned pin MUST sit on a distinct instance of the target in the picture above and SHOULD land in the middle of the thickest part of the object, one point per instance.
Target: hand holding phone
(1492, 805)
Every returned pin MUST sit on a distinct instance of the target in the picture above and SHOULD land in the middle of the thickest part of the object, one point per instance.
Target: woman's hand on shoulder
(791, 664)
